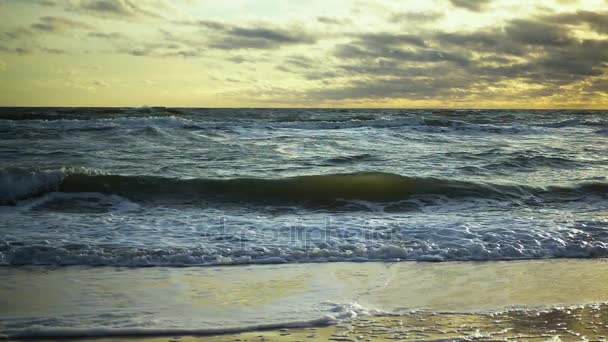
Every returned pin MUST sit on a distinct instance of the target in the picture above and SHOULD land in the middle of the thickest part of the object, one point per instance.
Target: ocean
(208, 189)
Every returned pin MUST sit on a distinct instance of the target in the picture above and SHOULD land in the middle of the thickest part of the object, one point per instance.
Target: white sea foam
(112, 203)
(486, 247)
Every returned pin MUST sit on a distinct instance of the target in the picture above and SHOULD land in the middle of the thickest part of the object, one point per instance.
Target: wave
(577, 122)
(17, 185)
(81, 113)
(76, 124)
(416, 123)
(351, 159)
(100, 332)
(527, 163)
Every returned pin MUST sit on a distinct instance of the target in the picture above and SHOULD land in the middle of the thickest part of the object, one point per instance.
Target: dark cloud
(529, 32)
(391, 47)
(258, 38)
(53, 51)
(168, 49)
(302, 62)
(598, 85)
(17, 34)
(333, 21)
(108, 36)
(538, 52)
(232, 37)
(17, 50)
(214, 25)
(386, 39)
(297, 64)
(382, 45)
(49, 3)
(29, 50)
(238, 59)
(598, 21)
(420, 55)
(471, 5)
(115, 8)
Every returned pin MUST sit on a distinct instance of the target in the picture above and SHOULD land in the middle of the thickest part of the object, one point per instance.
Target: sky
(305, 53)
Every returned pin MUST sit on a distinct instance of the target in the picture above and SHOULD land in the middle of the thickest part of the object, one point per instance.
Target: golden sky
(304, 53)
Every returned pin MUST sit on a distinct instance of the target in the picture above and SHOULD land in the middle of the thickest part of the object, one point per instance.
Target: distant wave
(174, 120)
(577, 122)
(99, 123)
(417, 123)
(532, 162)
(17, 185)
(350, 159)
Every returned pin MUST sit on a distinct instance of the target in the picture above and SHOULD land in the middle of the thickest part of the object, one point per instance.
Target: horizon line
(396, 108)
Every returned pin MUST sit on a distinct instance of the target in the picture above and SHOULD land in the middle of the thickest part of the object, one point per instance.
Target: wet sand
(555, 324)
(517, 300)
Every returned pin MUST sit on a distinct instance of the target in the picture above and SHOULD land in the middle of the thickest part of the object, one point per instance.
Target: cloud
(260, 38)
(381, 45)
(471, 5)
(415, 17)
(100, 84)
(298, 62)
(597, 21)
(17, 34)
(29, 50)
(399, 47)
(17, 50)
(108, 36)
(333, 21)
(539, 55)
(224, 36)
(57, 24)
(119, 8)
(53, 51)
(206, 24)
(301, 62)
(161, 50)
(238, 59)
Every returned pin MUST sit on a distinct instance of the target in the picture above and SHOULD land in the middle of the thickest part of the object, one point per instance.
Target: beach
(540, 299)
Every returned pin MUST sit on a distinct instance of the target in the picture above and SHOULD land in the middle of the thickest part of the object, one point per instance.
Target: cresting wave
(314, 189)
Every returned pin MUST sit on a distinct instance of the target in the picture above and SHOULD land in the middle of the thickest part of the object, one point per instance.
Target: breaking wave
(17, 185)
